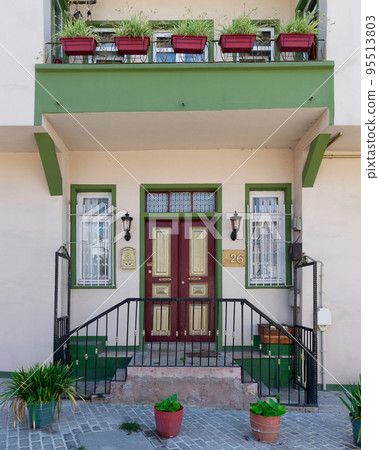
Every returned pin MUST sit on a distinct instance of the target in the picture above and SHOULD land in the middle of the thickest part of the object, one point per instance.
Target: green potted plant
(238, 36)
(168, 416)
(298, 34)
(190, 36)
(265, 419)
(353, 404)
(132, 37)
(77, 38)
(39, 390)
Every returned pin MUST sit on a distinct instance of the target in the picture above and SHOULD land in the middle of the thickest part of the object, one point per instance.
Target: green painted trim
(4, 374)
(301, 6)
(64, 5)
(50, 163)
(314, 159)
(335, 387)
(201, 87)
(287, 189)
(143, 216)
(75, 189)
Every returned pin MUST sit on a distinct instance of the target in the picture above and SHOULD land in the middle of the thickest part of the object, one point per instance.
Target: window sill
(79, 286)
(280, 286)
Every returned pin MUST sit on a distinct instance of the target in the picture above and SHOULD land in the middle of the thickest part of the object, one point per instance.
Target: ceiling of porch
(128, 131)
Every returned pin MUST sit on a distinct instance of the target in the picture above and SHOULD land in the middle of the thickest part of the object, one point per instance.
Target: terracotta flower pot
(188, 44)
(237, 43)
(295, 42)
(265, 429)
(168, 423)
(132, 45)
(76, 46)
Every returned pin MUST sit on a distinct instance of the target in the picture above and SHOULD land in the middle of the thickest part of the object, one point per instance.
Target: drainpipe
(323, 321)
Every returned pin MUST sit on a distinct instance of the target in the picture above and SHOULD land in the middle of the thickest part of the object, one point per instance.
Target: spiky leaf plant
(240, 25)
(353, 401)
(37, 385)
(307, 24)
(76, 28)
(137, 26)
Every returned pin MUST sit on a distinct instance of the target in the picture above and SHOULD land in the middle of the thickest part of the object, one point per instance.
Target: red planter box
(188, 44)
(168, 423)
(79, 46)
(132, 45)
(237, 43)
(294, 42)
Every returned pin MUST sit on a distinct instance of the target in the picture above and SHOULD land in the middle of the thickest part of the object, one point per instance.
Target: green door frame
(145, 216)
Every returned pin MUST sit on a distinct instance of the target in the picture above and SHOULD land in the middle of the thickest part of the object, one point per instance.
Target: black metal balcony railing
(161, 52)
(171, 332)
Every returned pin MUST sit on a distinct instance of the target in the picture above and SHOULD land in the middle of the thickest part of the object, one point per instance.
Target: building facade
(180, 143)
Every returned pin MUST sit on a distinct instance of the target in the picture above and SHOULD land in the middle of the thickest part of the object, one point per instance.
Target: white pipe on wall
(323, 340)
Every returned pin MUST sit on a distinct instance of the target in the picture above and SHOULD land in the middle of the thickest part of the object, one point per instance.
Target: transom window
(94, 232)
(180, 202)
(267, 241)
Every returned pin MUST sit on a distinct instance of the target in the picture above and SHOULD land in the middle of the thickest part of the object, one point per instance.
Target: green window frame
(82, 189)
(286, 188)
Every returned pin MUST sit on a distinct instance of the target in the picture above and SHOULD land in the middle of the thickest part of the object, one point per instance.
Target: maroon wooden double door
(180, 263)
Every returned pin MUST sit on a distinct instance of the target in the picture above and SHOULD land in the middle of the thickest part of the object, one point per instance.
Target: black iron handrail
(104, 347)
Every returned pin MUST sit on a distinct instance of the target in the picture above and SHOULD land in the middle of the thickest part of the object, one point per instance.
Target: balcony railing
(161, 51)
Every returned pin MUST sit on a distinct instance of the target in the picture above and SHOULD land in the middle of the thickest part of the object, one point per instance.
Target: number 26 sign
(233, 258)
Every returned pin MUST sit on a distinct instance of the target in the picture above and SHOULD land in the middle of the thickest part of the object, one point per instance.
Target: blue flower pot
(356, 423)
(44, 414)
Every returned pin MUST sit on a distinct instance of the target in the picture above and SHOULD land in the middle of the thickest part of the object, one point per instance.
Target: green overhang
(81, 88)
(314, 159)
(50, 163)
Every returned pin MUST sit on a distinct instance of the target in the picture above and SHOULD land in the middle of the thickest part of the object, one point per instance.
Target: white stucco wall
(24, 29)
(180, 167)
(331, 234)
(219, 11)
(343, 40)
(31, 231)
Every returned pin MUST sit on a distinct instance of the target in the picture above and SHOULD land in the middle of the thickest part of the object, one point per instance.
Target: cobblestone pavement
(201, 428)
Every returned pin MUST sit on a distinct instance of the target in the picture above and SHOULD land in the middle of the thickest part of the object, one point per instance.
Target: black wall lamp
(236, 223)
(126, 225)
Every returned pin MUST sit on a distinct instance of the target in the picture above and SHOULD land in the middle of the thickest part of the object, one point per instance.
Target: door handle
(194, 278)
(164, 279)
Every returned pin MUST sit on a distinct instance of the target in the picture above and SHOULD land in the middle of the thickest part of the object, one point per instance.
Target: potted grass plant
(353, 404)
(77, 38)
(298, 34)
(265, 419)
(132, 37)
(39, 391)
(190, 36)
(168, 416)
(238, 36)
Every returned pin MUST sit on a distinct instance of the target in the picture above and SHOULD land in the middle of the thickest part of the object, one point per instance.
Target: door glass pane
(204, 201)
(156, 202)
(180, 202)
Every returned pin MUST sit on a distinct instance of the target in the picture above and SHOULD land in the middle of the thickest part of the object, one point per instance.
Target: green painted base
(268, 371)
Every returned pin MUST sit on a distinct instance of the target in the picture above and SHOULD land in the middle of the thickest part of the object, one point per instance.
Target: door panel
(161, 281)
(180, 263)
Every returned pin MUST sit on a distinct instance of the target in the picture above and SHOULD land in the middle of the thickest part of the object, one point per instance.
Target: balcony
(161, 51)
(163, 81)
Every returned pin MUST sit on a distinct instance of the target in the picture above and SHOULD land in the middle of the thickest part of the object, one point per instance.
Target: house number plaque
(128, 258)
(233, 258)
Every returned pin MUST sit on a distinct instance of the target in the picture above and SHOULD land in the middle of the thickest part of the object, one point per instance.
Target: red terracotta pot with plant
(190, 36)
(238, 36)
(168, 416)
(265, 419)
(132, 37)
(77, 38)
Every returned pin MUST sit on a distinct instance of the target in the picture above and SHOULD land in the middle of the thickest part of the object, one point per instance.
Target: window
(263, 49)
(92, 230)
(180, 202)
(269, 216)
(164, 53)
(106, 50)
